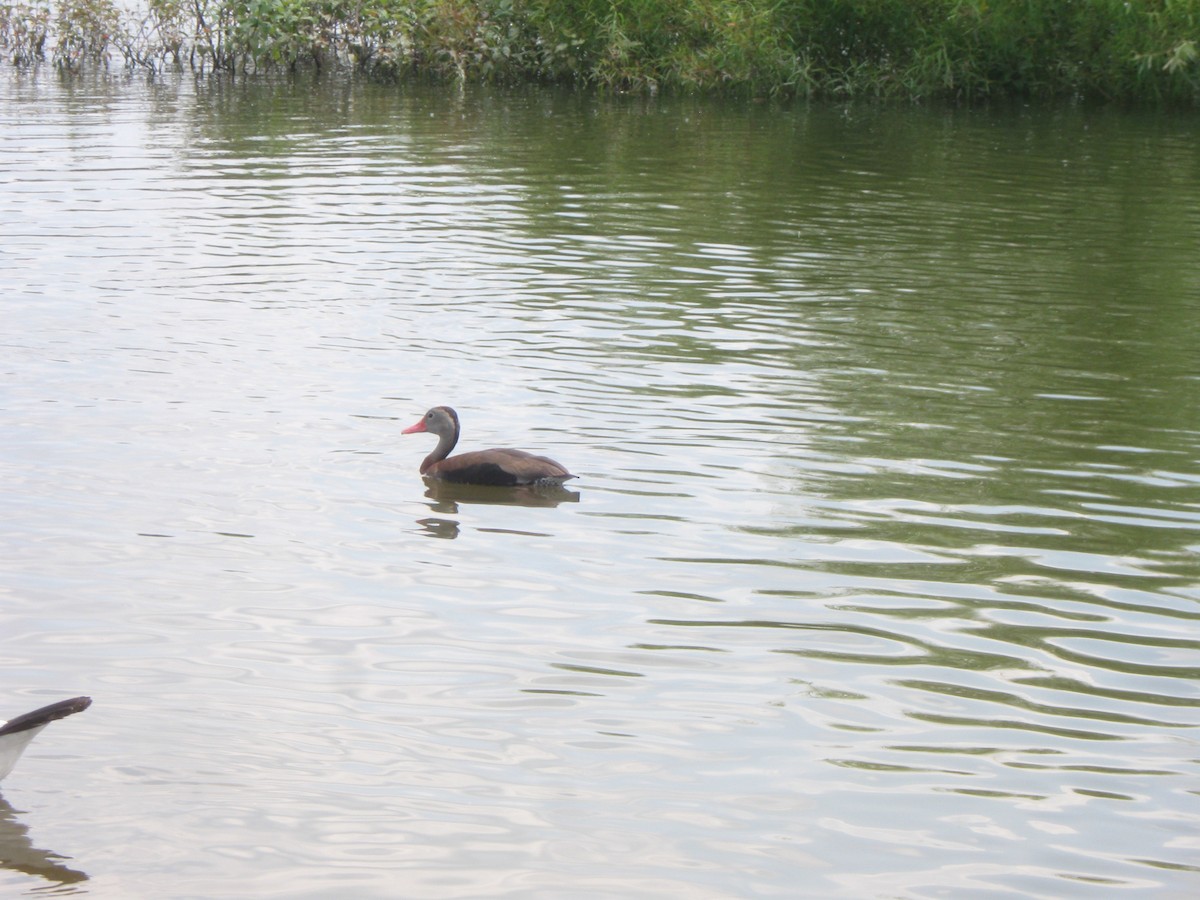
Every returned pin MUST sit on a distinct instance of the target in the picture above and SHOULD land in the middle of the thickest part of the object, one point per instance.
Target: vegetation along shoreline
(1131, 51)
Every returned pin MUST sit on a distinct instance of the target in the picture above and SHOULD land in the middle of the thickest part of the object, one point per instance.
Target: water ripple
(881, 569)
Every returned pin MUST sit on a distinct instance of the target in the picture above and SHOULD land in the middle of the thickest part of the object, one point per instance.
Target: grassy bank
(1140, 50)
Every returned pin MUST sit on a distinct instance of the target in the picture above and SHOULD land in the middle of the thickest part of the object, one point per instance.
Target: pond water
(881, 576)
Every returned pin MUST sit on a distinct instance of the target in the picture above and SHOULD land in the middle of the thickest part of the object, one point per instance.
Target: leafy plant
(23, 30)
(85, 30)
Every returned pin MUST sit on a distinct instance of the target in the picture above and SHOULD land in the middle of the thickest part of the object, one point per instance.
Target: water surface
(880, 577)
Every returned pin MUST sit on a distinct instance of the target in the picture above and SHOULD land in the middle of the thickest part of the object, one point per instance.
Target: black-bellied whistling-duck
(505, 468)
(16, 734)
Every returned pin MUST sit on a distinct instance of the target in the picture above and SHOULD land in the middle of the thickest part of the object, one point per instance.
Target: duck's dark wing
(45, 715)
(500, 467)
(16, 734)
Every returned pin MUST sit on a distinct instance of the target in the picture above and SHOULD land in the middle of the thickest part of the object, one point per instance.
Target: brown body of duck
(500, 467)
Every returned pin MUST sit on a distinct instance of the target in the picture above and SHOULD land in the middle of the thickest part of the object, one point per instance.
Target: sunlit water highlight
(880, 577)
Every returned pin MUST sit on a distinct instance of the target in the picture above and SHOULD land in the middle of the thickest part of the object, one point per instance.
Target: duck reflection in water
(18, 854)
(448, 497)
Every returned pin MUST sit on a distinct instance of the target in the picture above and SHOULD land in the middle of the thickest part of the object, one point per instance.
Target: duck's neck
(445, 444)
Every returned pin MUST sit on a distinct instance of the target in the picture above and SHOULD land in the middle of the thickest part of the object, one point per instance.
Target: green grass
(1135, 51)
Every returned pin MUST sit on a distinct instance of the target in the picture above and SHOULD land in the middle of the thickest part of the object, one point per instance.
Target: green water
(880, 577)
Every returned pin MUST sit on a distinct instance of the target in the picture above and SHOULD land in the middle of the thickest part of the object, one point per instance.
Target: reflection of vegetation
(956, 48)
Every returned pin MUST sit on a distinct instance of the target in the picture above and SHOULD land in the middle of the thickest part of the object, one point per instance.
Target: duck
(15, 734)
(497, 467)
